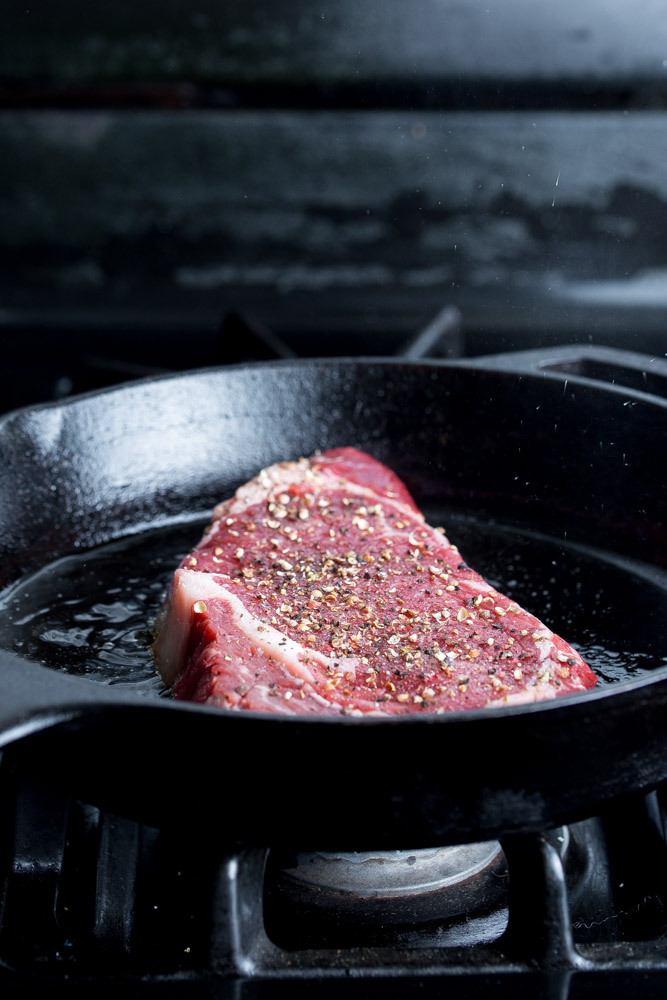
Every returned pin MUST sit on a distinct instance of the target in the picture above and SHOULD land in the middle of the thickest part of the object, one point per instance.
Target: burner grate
(51, 365)
(86, 893)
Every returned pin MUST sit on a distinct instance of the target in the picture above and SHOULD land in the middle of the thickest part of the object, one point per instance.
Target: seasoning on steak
(319, 588)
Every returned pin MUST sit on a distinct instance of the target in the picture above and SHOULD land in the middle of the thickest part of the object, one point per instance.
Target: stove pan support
(539, 929)
(634, 838)
(242, 337)
(239, 945)
(538, 937)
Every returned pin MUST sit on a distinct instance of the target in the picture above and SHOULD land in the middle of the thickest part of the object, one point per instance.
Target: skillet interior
(91, 614)
(548, 454)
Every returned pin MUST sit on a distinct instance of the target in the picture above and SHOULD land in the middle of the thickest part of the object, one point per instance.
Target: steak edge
(318, 588)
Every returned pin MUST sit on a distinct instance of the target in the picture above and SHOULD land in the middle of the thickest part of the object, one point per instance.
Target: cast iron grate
(54, 364)
(87, 894)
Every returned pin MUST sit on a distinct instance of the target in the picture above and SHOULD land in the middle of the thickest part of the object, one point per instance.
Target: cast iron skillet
(531, 440)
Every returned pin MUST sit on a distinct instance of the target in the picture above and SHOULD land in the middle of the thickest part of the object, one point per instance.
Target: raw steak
(319, 588)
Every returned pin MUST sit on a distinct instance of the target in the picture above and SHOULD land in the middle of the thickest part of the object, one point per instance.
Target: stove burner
(366, 895)
(392, 873)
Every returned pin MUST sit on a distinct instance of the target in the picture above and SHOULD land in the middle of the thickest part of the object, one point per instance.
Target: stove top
(577, 911)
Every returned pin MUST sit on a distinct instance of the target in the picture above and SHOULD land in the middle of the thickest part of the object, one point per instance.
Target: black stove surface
(88, 897)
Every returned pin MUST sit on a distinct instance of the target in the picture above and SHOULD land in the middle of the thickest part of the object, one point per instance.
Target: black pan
(568, 447)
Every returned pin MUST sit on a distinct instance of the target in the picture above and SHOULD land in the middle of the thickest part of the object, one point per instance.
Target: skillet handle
(625, 369)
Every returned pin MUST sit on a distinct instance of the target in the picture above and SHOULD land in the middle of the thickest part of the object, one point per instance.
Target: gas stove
(576, 911)
(187, 189)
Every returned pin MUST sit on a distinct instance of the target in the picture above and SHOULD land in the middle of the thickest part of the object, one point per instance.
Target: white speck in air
(557, 179)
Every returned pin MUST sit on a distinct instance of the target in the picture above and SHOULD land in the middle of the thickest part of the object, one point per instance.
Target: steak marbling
(319, 588)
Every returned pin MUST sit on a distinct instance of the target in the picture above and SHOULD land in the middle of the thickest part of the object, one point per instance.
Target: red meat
(318, 588)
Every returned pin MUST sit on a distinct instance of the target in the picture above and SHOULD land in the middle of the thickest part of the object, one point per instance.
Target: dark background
(336, 171)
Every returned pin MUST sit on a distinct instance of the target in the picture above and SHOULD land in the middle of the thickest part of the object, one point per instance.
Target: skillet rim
(528, 366)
